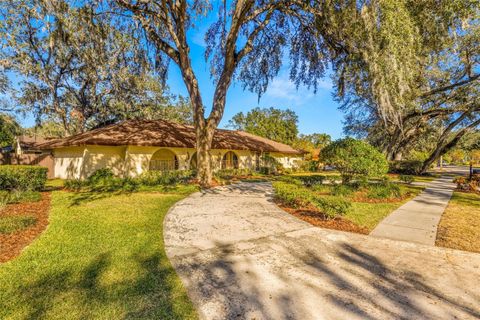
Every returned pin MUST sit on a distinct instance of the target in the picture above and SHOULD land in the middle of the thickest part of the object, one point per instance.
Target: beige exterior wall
(287, 160)
(132, 161)
(68, 162)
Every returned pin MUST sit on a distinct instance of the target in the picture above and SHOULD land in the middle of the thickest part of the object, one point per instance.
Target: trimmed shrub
(406, 178)
(100, 176)
(298, 196)
(332, 206)
(291, 194)
(354, 158)
(14, 177)
(406, 167)
(383, 190)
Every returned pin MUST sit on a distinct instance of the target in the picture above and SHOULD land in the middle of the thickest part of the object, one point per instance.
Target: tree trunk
(443, 147)
(204, 158)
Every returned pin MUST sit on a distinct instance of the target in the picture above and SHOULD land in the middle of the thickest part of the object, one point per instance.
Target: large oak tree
(248, 42)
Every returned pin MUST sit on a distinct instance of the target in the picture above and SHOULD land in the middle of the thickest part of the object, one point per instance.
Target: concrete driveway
(241, 257)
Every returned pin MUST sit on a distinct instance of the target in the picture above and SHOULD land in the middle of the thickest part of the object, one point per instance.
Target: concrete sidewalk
(417, 220)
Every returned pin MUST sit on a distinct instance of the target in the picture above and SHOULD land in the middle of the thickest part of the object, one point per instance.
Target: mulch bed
(319, 220)
(12, 244)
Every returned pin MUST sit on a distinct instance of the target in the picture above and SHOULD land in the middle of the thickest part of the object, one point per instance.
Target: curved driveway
(241, 257)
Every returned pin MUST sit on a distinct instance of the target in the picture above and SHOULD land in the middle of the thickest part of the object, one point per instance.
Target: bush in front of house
(331, 206)
(406, 178)
(155, 178)
(100, 176)
(354, 158)
(22, 178)
(298, 196)
(291, 194)
(227, 174)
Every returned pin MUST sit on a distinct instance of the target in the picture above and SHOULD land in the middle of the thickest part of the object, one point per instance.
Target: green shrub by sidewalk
(354, 158)
(406, 178)
(13, 177)
(331, 206)
(298, 196)
(384, 190)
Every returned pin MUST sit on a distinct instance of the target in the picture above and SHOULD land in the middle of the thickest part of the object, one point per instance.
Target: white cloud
(283, 89)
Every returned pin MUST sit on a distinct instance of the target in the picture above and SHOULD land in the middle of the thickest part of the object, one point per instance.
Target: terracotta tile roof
(161, 133)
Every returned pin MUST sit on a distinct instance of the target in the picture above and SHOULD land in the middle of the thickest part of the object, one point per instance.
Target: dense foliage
(9, 129)
(104, 180)
(408, 78)
(299, 196)
(15, 177)
(275, 124)
(353, 158)
(79, 68)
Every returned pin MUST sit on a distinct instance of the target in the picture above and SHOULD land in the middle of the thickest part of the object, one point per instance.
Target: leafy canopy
(275, 124)
(9, 129)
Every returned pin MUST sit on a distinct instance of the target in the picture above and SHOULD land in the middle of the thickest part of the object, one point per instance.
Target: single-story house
(132, 147)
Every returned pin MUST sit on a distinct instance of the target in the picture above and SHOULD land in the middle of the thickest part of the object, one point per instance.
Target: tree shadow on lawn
(150, 295)
(356, 283)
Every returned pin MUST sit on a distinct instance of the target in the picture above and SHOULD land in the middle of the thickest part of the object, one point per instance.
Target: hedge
(22, 178)
(298, 196)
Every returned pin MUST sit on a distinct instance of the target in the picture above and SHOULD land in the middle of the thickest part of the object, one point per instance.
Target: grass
(10, 224)
(459, 227)
(100, 258)
(369, 215)
(418, 178)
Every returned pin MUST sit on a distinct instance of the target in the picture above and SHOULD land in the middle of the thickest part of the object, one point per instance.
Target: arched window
(230, 160)
(193, 162)
(164, 160)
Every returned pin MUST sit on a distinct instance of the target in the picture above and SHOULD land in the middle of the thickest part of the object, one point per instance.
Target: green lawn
(368, 215)
(459, 227)
(102, 257)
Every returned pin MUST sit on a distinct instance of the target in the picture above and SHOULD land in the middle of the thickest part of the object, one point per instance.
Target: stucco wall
(287, 160)
(68, 162)
(132, 161)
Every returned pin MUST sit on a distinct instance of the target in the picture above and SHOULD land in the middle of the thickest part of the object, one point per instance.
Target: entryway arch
(230, 160)
(164, 160)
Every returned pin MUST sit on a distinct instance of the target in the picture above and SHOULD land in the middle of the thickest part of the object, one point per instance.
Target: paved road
(241, 257)
(417, 220)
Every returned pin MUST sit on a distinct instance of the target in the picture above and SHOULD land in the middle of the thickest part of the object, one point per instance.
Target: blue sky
(316, 112)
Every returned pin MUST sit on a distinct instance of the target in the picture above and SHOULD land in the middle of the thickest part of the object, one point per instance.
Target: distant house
(135, 146)
(26, 151)
(24, 145)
